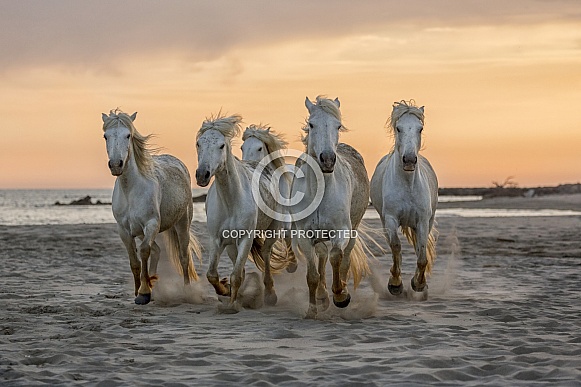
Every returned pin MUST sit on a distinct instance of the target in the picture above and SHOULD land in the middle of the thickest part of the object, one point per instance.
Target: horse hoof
(311, 313)
(292, 267)
(142, 299)
(270, 299)
(324, 303)
(344, 303)
(395, 290)
(417, 288)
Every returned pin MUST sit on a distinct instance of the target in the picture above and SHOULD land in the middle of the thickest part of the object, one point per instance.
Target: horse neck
(228, 183)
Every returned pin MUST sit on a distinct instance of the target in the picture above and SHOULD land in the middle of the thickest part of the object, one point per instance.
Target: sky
(500, 80)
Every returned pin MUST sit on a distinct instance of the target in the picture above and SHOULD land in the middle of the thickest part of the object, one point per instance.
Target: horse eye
(310, 125)
(260, 149)
(222, 146)
(339, 127)
(105, 136)
(398, 130)
(421, 130)
(128, 136)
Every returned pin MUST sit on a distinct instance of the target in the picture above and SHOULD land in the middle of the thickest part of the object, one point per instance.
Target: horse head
(118, 131)
(323, 127)
(407, 124)
(214, 144)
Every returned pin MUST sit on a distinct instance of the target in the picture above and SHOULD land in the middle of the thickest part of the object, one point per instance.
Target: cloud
(93, 34)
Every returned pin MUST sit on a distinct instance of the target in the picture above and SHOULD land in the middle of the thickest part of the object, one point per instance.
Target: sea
(38, 207)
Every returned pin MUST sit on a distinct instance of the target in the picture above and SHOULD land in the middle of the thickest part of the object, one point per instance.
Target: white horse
(233, 215)
(342, 206)
(404, 190)
(152, 195)
(259, 142)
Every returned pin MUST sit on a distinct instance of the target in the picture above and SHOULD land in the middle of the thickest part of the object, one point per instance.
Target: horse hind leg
(131, 248)
(419, 282)
(293, 264)
(270, 297)
(155, 253)
(322, 293)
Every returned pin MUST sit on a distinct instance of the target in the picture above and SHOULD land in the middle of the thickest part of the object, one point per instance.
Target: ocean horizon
(22, 207)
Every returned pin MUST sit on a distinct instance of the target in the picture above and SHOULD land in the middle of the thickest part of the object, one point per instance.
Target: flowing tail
(359, 266)
(410, 234)
(280, 256)
(173, 252)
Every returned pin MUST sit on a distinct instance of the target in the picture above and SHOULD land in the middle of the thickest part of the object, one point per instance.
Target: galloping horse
(404, 190)
(259, 142)
(342, 206)
(152, 195)
(233, 215)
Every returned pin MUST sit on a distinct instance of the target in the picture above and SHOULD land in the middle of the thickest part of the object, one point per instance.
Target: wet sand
(504, 307)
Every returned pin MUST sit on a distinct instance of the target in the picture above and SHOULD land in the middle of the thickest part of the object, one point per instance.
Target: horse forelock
(229, 127)
(399, 109)
(271, 139)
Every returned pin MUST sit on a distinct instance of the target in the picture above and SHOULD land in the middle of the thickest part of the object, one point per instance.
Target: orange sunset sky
(500, 80)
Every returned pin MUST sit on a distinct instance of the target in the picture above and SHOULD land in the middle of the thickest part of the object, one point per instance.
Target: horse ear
(268, 130)
(309, 104)
(104, 117)
(422, 109)
(133, 116)
(337, 102)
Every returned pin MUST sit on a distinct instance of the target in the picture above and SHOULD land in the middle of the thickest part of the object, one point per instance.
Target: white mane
(229, 126)
(270, 138)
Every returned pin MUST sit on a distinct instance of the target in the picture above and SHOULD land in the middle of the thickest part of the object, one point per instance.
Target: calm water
(36, 207)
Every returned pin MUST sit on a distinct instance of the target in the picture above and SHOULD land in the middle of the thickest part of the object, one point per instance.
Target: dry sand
(504, 307)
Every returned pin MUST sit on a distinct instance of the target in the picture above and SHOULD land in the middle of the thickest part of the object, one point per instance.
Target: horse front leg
(419, 283)
(130, 246)
(212, 275)
(394, 284)
(306, 247)
(150, 231)
(182, 229)
(340, 261)
(238, 273)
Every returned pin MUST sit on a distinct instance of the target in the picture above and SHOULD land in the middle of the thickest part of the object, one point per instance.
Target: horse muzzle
(327, 160)
(409, 162)
(116, 167)
(203, 177)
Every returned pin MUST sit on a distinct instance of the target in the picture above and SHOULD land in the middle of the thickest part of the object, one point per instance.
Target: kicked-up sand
(504, 308)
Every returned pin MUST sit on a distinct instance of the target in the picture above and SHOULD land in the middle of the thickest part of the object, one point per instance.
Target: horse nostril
(207, 176)
(321, 158)
(109, 164)
(410, 159)
(121, 164)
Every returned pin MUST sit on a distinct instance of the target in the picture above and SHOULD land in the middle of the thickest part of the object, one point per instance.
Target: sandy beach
(504, 308)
